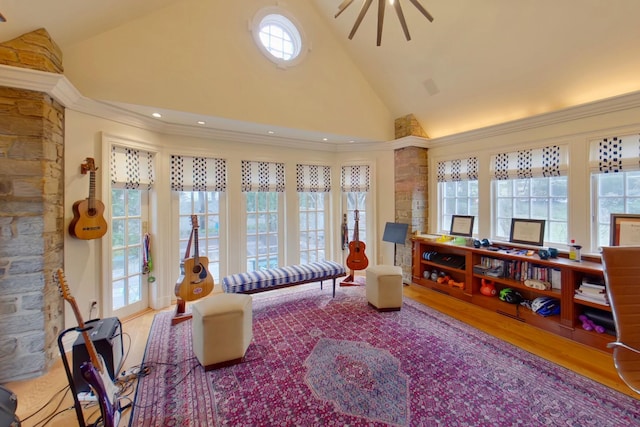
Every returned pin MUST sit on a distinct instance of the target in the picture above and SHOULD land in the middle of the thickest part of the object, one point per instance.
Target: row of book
(519, 271)
(592, 292)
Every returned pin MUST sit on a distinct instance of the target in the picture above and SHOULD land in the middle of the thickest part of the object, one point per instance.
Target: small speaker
(106, 335)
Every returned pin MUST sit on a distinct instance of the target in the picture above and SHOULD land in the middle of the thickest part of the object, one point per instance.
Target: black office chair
(622, 277)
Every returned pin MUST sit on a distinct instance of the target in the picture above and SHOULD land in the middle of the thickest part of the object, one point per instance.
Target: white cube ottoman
(222, 327)
(384, 287)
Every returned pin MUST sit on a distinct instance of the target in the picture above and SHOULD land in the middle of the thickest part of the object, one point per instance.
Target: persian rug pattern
(454, 375)
(359, 379)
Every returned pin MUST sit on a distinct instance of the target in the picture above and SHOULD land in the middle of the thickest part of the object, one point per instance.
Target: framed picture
(625, 230)
(462, 225)
(527, 231)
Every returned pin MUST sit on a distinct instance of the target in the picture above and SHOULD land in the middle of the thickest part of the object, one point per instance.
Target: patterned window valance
(313, 178)
(262, 176)
(132, 168)
(530, 163)
(198, 174)
(355, 178)
(615, 154)
(458, 170)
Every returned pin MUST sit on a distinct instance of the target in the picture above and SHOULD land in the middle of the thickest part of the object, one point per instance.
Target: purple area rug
(317, 360)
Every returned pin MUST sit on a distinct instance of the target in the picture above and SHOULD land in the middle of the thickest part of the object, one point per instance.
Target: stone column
(411, 191)
(31, 214)
(411, 188)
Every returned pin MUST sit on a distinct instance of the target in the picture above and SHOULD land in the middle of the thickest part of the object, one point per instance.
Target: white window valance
(530, 163)
(615, 154)
(313, 178)
(355, 178)
(132, 168)
(198, 174)
(262, 176)
(458, 170)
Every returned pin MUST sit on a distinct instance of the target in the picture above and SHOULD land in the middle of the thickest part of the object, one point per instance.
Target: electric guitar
(88, 220)
(195, 281)
(93, 371)
(357, 260)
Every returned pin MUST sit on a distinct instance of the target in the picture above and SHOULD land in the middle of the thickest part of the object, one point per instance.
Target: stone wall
(31, 214)
(35, 50)
(408, 126)
(411, 179)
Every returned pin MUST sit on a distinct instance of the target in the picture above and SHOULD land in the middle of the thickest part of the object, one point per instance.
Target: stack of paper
(592, 292)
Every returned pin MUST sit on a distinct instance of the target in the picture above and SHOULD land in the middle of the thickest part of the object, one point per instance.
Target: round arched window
(278, 36)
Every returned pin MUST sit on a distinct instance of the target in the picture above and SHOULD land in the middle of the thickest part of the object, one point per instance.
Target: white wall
(199, 56)
(83, 138)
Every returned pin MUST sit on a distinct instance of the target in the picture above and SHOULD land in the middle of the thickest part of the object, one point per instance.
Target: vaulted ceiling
(479, 63)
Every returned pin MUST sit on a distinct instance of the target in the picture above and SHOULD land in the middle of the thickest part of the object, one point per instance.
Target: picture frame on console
(462, 225)
(527, 231)
(625, 230)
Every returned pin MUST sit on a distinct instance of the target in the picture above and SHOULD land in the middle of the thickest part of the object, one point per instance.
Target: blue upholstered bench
(279, 277)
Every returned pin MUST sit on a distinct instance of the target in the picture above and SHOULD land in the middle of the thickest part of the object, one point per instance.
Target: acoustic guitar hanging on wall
(88, 220)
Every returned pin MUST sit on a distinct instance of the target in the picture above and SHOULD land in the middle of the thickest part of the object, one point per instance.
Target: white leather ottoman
(384, 287)
(222, 327)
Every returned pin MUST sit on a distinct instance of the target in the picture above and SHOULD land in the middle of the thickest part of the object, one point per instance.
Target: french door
(129, 290)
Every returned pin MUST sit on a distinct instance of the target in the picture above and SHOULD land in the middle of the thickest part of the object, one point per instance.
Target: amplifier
(106, 335)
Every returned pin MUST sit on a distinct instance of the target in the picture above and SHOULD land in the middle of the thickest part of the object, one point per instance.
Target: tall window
(531, 184)
(132, 175)
(313, 184)
(206, 206)
(615, 182)
(355, 185)
(200, 184)
(457, 191)
(263, 185)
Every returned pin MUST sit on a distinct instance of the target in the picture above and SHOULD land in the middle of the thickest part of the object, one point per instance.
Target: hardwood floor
(592, 363)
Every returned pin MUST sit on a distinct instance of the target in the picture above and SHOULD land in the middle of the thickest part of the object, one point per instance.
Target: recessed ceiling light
(270, 132)
(325, 139)
(351, 140)
(202, 122)
(156, 115)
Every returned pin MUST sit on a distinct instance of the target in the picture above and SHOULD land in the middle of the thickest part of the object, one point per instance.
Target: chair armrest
(623, 345)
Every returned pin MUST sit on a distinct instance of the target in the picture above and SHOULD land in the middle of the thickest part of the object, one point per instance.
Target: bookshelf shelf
(562, 276)
(592, 304)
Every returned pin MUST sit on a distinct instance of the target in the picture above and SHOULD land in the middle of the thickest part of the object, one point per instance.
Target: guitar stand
(72, 386)
(180, 315)
(352, 280)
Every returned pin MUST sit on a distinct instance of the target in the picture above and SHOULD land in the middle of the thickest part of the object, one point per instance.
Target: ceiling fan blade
(381, 6)
(398, 8)
(417, 4)
(363, 11)
(345, 4)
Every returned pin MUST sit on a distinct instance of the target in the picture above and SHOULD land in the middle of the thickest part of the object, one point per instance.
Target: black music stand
(396, 233)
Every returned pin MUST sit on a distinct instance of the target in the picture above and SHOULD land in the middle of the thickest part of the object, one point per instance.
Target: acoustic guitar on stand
(195, 281)
(88, 221)
(356, 260)
(93, 371)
